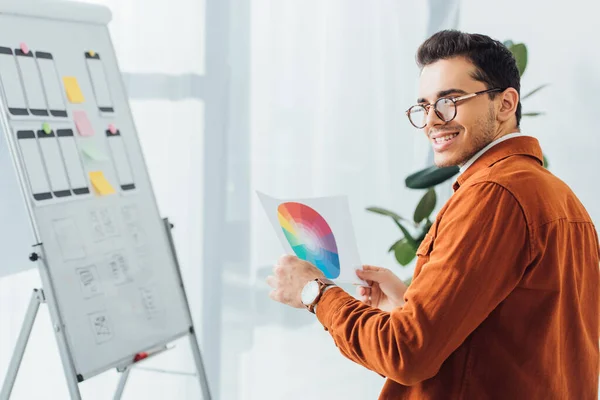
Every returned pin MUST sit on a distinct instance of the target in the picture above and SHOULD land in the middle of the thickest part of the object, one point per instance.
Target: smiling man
(505, 300)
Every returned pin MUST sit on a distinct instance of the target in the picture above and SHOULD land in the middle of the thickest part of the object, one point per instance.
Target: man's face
(474, 126)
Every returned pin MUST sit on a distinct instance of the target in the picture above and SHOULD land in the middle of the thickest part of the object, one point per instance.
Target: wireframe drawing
(119, 268)
(89, 281)
(101, 326)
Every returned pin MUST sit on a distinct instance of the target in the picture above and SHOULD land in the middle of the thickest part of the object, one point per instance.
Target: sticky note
(82, 123)
(112, 128)
(46, 128)
(24, 48)
(100, 184)
(92, 152)
(73, 90)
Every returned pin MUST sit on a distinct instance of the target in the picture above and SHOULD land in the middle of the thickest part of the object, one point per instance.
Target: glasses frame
(454, 100)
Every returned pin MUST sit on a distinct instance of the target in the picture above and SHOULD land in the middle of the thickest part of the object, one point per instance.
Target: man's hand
(288, 279)
(386, 290)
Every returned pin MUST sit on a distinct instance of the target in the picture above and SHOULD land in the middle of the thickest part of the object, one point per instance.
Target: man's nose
(433, 119)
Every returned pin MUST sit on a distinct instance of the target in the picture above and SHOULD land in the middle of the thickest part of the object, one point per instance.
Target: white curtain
(330, 81)
(329, 86)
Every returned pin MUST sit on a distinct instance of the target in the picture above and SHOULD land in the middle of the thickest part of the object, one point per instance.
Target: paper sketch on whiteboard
(101, 326)
(150, 302)
(119, 269)
(69, 239)
(134, 227)
(89, 281)
(103, 223)
(318, 230)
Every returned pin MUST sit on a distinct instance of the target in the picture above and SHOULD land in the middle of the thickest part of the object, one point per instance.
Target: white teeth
(445, 138)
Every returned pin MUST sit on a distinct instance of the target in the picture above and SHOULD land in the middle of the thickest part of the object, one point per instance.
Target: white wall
(562, 42)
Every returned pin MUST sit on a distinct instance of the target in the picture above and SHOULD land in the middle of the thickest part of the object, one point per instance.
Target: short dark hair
(496, 66)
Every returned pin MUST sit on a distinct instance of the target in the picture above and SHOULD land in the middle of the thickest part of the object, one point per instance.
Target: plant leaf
(519, 51)
(425, 206)
(424, 229)
(403, 252)
(407, 235)
(430, 176)
(532, 114)
(395, 244)
(537, 89)
(387, 213)
(546, 163)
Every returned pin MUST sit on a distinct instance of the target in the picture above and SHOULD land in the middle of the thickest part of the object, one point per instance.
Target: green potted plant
(426, 179)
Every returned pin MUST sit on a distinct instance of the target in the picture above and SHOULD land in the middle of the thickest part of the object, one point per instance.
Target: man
(504, 302)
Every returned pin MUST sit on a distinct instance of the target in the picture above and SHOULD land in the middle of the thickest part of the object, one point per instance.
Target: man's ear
(508, 102)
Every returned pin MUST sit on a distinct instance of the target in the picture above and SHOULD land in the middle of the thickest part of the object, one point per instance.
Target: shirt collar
(486, 148)
(519, 145)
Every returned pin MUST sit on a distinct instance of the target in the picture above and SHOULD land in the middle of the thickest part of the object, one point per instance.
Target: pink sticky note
(24, 48)
(112, 128)
(83, 124)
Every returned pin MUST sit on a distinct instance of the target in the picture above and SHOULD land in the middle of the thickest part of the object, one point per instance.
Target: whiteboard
(107, 259)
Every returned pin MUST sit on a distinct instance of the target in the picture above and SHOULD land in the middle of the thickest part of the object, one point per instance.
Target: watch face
(310, 292)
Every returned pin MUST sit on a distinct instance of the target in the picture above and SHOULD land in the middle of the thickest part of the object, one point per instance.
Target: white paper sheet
(318, 230)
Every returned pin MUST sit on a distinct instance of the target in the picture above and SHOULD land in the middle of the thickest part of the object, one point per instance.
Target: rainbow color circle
(310, 236)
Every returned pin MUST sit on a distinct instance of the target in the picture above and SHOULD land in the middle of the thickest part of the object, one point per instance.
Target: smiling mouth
(446, 138)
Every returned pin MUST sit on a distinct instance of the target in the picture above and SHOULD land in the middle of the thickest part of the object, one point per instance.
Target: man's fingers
(372, 273)
(363, 291)
(286, 259)
(278, 270)
(275, 295)
(371, 268)
(376, 296)
(364, 294)
(366, 300)
(272, 281)
(369, 275)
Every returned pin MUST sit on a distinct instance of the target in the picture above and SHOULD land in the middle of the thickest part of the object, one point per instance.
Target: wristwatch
(312, 292)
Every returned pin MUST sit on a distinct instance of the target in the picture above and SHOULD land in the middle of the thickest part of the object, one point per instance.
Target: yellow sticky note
(73, 90)
(101, 185)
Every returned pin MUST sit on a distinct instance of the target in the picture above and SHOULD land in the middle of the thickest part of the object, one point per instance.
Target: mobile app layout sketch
(89, 281)
(101, 327)
(150, 301)
(69, 239)
(133, 224)
(119, 269)
(103, 223)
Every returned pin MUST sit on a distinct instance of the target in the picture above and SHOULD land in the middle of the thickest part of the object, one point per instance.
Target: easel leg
(193, 341)
(61, 338)
(200, 367)
(15, 363)
(122, 382)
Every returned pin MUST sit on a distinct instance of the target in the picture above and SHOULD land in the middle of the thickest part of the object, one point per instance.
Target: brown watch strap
(323, 284)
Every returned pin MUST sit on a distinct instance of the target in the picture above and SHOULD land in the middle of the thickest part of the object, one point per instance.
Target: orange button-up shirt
(505, 300)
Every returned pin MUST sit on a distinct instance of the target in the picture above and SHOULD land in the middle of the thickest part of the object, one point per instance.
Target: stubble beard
(485, 125)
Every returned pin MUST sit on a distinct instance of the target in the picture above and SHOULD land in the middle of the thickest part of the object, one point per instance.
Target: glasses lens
(446, 109)
(418, 116)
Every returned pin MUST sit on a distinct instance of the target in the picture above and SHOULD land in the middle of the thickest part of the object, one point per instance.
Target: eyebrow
(443, 93)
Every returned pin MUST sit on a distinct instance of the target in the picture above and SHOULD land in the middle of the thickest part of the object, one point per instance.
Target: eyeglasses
(444, 107)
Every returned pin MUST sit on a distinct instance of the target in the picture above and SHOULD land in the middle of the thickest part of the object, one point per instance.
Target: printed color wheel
(310, 236)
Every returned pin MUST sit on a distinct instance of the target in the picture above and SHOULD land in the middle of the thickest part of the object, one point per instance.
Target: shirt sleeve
(478, 256)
